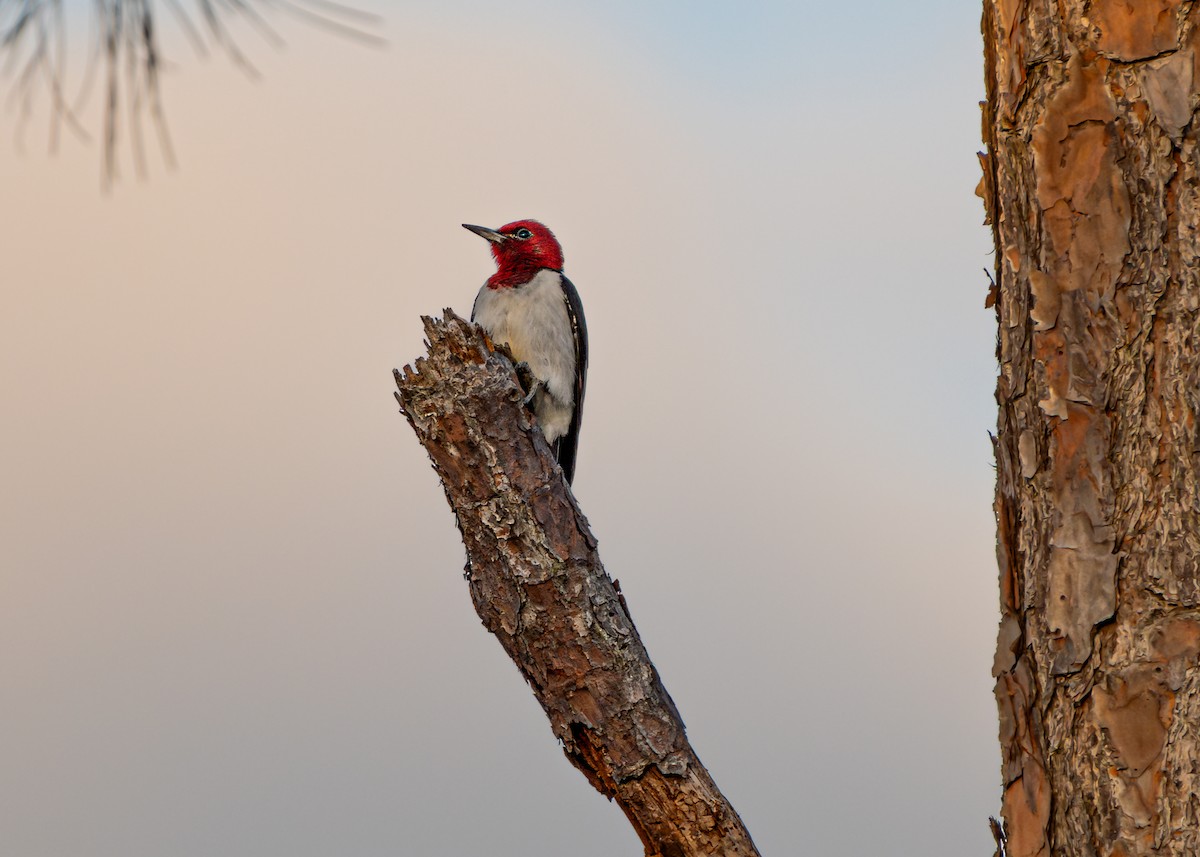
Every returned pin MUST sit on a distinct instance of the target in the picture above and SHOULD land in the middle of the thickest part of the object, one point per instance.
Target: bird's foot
(528, 381)
(533, 391)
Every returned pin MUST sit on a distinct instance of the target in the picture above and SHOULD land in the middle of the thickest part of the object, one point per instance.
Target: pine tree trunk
(1091, 188)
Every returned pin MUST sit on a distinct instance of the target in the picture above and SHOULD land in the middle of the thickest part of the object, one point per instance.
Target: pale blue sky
(232, 618)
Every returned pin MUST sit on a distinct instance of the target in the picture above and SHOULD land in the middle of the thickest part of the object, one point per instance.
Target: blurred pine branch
(124, 49)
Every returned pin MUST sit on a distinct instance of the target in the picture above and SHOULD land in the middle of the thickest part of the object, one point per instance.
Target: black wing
(568, 444)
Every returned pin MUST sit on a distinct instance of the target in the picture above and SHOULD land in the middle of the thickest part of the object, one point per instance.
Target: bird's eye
(523, 233)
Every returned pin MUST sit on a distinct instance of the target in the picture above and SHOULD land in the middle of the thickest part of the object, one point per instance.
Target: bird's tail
(564, 450)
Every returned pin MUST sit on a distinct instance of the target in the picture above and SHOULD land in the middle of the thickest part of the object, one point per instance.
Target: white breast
(532, 320)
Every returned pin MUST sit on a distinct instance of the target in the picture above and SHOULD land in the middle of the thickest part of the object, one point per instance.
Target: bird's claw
(537, 385)
(528, 380)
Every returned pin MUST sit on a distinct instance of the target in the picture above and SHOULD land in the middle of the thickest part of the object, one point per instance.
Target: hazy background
(232, 616)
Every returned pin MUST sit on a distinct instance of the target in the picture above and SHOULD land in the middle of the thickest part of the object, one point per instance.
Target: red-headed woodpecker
(531, 307)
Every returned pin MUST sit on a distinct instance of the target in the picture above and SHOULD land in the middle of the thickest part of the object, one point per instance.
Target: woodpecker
(531, 307)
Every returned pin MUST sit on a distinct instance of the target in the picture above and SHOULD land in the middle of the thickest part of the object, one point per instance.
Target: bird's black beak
(490, 234)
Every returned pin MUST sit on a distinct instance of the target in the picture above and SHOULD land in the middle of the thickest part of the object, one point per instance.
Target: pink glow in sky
(232, 617)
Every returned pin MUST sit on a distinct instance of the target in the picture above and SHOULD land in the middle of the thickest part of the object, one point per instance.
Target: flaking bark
(1092, 192)
(537, 583)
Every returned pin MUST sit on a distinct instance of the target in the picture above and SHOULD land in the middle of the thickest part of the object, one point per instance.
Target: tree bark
(1091, 189)
(537, 583)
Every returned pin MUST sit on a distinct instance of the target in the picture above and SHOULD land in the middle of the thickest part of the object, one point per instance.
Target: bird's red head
(522, 248)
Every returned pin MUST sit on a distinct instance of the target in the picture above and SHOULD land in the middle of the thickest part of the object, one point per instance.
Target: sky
(232, 614)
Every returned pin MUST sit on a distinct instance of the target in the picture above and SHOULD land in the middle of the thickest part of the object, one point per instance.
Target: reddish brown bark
(538, 585)
(1092, 191)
